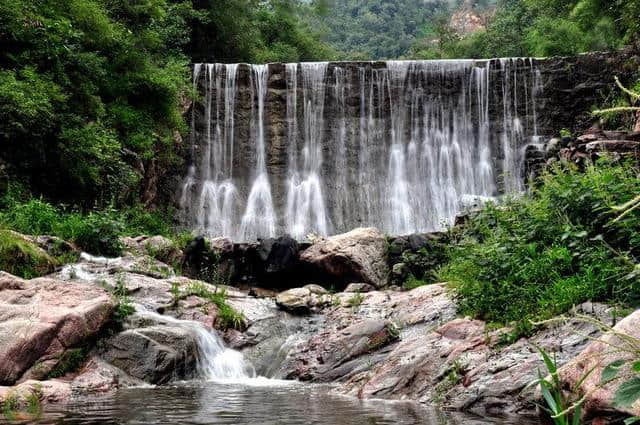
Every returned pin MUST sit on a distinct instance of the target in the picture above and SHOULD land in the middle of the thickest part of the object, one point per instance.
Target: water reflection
(215, 403)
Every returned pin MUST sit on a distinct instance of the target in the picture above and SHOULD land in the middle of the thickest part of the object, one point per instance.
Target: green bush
(96, 231)
(535, 257)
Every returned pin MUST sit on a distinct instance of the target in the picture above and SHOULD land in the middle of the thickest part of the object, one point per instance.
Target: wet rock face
(41, 319)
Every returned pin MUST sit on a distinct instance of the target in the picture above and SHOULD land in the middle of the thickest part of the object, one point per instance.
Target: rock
(619, 146)
(20, 255)
(47, 392)
(221, 246)
(553, 146)
(280, 256)
(358, 255)
(158, 247)
(55, 246)
(156, 354)
(399, 271)
(598, 355)
(326, 355)
(359, 288)
(303, 300)
(635, 135)
(472, 372)
(43, 318)
(314, 354)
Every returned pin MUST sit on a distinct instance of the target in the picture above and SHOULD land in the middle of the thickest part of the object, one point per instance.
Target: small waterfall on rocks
(215, 361)
(326, 147)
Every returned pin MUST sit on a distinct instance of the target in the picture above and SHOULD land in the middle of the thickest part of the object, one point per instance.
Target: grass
(10, 406)
(22, 258)
(536, 257)
(69, 362)
(356, 300)
(124, 308)
(94, 231)
(228, 316)
(413, 282)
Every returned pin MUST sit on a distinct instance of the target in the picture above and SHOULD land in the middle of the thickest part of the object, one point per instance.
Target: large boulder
(356, 256)
(609, 348)
(329, 356)
(155, 354)
(42, 319)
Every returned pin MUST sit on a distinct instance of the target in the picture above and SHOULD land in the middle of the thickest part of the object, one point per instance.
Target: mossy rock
(23, 258)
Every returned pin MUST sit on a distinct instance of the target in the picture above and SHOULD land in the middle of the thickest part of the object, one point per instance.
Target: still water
(253, 404)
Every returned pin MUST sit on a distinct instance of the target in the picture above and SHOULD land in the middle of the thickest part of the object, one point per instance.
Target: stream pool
(255, 403)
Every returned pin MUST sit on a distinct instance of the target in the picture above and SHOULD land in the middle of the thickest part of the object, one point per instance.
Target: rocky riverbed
(66, 335)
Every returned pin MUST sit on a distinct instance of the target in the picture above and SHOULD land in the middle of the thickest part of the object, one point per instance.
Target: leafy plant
(564, 407)
(537, 256)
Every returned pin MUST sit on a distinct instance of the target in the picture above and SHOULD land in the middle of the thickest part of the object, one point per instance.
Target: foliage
(228, 316)
(563, 407)
(95, 231)
(424, 263)
(355, 300)
(375, 29)
(70, 361)
(619, 111)
(10, 406)
(537, 256)
(124, 308)
(23, 258)
(90, 89)
(256, 31)
(540, 28)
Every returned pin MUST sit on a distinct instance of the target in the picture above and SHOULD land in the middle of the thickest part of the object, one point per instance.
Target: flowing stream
(326, 147)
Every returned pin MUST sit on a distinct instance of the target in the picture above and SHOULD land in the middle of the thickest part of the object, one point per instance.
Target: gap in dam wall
(400, 145)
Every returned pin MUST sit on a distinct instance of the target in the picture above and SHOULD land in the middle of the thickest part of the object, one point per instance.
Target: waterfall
(326, 147)
(215, 361)
(259, 218)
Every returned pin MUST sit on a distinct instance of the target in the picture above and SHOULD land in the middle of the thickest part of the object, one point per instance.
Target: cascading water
(215, 361)
(327, 147)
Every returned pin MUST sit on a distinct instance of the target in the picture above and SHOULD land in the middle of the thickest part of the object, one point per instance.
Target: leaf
(636, 367)
(631, 421)
(610, 372)
(577, 415)
(628, 393)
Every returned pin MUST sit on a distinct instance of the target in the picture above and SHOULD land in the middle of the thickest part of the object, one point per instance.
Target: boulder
(598, 355)
(156, 354)
(328, 356)
(359, 288)
(357, 256)
(158, 247)
(280, 256)
(303, 300)
(42, 319)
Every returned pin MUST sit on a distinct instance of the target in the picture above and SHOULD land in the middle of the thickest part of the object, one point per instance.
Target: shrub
(535, 257)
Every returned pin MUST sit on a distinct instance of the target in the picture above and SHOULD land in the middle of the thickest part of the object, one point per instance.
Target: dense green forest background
(93, 92)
